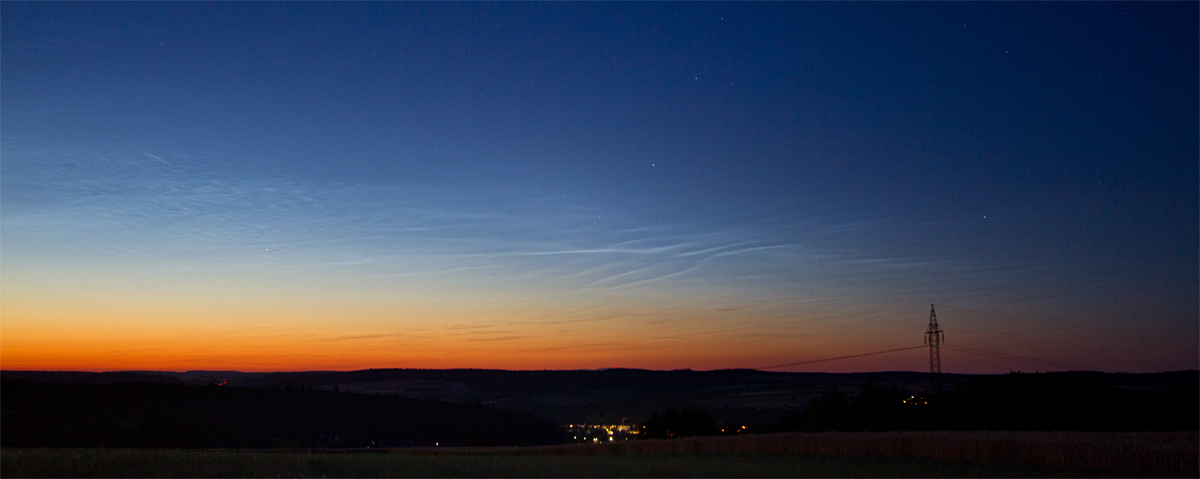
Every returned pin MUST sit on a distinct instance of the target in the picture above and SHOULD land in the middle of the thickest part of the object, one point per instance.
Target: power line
(840, 357)
(698, 374)
(1025, 359)
(934, 364)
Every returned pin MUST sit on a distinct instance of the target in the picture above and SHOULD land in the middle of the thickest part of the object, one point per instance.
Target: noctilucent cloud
(318, 186)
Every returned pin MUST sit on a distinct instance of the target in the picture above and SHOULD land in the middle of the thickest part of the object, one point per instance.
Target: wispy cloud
(164, 213)
(482, 265)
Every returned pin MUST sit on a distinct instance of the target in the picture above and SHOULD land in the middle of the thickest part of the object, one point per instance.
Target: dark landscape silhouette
(311, 410)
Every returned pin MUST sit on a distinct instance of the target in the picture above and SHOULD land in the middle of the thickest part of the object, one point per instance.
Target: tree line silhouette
(192, 416)
(1017, 401)
(173, 415)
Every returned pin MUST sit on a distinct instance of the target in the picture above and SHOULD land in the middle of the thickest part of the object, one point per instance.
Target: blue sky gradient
(598, 185)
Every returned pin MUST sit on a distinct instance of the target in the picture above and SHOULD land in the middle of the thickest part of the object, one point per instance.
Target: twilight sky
(302, 186)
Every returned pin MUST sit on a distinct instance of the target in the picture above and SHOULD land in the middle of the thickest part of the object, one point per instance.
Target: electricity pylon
(934, 338)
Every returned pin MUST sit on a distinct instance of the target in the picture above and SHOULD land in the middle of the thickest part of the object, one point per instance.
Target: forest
(128, 414)
(1012, 402)
(177, 415)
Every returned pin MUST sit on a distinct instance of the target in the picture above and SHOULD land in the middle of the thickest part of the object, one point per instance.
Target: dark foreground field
(141, 463)
(921, 454)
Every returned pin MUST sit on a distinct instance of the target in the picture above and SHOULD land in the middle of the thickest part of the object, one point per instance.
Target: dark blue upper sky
(1037, 159)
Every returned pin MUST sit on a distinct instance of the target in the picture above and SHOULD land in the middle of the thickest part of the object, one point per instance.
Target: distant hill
(609, 396)
(1015, 402)
(613, 395)
(73, 377)
(40, 414)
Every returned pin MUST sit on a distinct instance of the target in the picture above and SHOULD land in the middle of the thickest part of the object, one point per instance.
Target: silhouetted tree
(672, 423)
(174, 415)
(1050, 401)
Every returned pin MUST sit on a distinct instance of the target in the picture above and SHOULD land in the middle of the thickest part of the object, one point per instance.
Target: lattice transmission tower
(934, 338)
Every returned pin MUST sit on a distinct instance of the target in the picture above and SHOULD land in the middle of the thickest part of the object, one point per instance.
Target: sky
(333, 186)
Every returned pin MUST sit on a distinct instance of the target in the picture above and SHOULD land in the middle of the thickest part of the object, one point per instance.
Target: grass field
(1160, 454)
(144, 463)
(915, 454)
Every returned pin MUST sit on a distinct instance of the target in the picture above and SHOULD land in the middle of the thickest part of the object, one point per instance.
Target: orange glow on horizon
(116, 335)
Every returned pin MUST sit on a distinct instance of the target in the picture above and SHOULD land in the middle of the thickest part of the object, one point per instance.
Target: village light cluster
(598, 433)
(915, 401)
